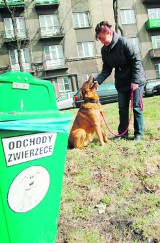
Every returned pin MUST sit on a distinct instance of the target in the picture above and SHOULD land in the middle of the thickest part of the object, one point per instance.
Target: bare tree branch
(18, 41)
(115, 11)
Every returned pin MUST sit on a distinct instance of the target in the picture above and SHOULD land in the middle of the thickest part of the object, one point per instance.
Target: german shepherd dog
(88, 120)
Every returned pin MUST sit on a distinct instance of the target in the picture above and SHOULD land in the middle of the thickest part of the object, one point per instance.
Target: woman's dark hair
(102, 27)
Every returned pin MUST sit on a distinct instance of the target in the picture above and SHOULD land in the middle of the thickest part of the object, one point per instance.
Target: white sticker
(28, 189)
(20, 85)
(29, 147)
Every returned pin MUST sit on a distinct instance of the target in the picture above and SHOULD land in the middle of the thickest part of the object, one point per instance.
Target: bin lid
(36, 121)
(16, 116)
(21, 92)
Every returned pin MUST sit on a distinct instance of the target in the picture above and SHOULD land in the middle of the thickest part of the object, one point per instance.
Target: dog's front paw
(85, 144)
(106, 140)
(103, 143)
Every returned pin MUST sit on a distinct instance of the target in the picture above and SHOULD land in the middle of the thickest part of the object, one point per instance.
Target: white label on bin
(20, 85)
(28, 189)
(29, 147)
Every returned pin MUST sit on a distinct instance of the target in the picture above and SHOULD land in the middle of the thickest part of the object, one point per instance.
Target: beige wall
(66, 21)
(98, 12)
(138, 30)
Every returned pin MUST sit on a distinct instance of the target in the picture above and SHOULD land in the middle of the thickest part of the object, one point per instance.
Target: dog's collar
(91, 101)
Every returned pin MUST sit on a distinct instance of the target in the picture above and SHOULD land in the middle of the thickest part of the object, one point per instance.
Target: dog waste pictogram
(28, 189)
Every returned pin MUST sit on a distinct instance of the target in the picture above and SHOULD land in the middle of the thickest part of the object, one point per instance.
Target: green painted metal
(152, 24)
(12, 3)
(46, 1)
(27, 215)
(23, 93)
(40, 223)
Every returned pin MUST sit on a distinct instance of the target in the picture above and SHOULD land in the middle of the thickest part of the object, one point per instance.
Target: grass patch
(85, 236)
(123, 176)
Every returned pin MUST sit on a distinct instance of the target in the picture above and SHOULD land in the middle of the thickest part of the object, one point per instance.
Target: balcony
(150, 1)
(12, 3)
(10, 37)
(27, 67)
(44, 4)
(153, 24)
(51, 32)
(154, 53)
(55, 64)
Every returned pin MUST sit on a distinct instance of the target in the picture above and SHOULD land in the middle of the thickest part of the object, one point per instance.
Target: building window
(81, 20)
(128, 16)
(156, 41)
(154, 13)
(25, 56)
(135, 42)
(53, 56)
(64, 84)
(48, 24)
(157, 66)
(85, 49)
(20, 27)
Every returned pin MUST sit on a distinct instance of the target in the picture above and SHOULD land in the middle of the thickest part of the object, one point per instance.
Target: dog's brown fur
(88, 120)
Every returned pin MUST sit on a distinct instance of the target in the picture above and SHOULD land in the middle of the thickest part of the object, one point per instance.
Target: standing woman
(119, 53)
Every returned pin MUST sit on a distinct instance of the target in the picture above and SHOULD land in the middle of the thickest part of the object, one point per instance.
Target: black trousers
(123, 104)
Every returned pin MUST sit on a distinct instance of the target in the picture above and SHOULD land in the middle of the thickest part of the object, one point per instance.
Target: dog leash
(130, 118)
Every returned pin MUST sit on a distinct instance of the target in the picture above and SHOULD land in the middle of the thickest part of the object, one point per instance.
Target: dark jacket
(121, 55)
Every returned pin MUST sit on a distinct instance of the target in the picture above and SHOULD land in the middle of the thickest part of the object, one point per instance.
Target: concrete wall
(138, 30)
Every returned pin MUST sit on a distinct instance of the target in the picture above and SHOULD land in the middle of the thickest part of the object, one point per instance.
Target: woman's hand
(134, 86)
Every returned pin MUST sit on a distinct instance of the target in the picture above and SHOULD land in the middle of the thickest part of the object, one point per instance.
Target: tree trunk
(115, 10)
(18, 41)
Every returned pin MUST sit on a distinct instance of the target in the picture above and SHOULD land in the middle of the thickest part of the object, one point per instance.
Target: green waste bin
(33, 143)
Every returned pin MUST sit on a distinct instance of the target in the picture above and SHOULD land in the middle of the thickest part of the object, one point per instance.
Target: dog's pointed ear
(90, 80)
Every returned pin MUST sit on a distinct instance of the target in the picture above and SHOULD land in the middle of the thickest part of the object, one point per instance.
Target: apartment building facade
(55, 39)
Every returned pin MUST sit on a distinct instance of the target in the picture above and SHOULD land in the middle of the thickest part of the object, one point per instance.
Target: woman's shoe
(118, 138)
(137, 137)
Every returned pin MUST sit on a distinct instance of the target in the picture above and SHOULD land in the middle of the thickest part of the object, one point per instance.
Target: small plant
(106, 200)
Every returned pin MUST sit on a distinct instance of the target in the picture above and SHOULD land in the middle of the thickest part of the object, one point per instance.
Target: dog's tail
(70, 146)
